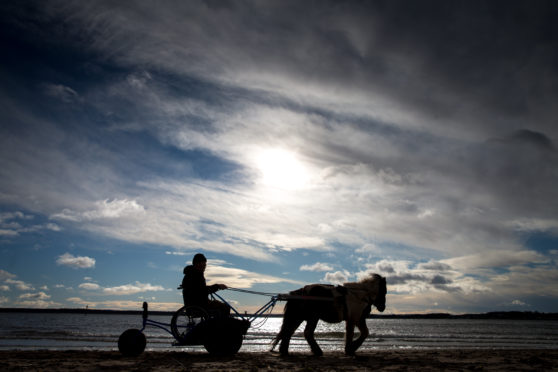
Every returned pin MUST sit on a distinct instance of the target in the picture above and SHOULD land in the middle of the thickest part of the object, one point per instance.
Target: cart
(193, 325)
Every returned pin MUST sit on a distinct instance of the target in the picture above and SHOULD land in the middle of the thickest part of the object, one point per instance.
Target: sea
(63, 331)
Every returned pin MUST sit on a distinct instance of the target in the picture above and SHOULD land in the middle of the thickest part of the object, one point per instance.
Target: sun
(281, 169)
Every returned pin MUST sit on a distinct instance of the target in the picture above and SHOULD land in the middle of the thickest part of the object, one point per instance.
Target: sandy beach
(416, 360)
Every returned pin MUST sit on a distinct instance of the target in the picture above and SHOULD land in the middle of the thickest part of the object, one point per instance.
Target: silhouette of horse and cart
(193, 325)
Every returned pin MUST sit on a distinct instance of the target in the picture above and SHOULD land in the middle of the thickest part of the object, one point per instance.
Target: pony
(351, 302)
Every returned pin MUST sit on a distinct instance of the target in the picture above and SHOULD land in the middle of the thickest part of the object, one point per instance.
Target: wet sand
(415, 360)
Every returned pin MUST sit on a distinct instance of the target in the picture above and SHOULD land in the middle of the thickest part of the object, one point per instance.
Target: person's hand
(223, 286)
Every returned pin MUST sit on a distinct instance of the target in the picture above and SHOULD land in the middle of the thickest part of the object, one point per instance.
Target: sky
(291, 142)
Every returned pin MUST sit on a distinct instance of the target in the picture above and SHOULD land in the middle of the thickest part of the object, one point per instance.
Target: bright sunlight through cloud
(281, 169)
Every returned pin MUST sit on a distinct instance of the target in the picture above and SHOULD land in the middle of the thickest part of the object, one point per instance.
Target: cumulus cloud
(36, 300)
(127, 289)
(89, 286)
(6, 216)
(37, 303)
(13, 224)
(318, 266)
(104, 209)
(19, 284)
(125, 304)
(337, 277)
(6, 275)
(34, 296)
(9, 281)
(434, 266)
(75, 262)
(407, 277)
(240, 278)
(179, 253)
(368, 248)
(7, 233)
(77, 300)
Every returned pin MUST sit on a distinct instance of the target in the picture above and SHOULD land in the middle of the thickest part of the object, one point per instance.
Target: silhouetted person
(195, 291)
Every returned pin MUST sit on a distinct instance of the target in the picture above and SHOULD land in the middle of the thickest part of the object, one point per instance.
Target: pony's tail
(276, 341)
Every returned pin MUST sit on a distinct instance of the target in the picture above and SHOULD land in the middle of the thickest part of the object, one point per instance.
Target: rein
(268, 294)
(285, 297)
(282, 296)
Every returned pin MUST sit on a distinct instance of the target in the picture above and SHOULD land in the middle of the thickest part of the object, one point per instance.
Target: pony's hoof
(318, 353)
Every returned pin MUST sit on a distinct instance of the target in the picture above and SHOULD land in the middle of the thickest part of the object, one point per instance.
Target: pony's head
(375, 285)
(380, 300)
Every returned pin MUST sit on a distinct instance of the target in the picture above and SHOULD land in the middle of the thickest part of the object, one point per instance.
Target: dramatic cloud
(417, 140)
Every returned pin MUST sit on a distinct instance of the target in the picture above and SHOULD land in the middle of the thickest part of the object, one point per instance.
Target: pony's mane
(365, 282)
(371, 278)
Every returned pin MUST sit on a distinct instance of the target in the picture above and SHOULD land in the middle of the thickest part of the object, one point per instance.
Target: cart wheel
(184, 320)
(224, 337)
(131, 342)
(224, 344)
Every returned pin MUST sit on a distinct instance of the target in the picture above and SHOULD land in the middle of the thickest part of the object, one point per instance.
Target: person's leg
(219, 308)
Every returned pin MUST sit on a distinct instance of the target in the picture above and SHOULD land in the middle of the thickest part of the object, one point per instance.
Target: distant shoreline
(511, 315)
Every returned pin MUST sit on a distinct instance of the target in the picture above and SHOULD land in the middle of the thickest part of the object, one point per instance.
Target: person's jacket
(194, 289)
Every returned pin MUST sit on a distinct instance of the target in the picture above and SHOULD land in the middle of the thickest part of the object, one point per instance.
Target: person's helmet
(199, 258)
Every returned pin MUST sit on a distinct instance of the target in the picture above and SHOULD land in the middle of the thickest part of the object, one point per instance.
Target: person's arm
(215, 287)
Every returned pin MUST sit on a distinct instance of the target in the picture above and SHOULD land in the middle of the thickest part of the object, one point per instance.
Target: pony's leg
(363, 334)
(349, 334)
(309, 336)
(286, 332)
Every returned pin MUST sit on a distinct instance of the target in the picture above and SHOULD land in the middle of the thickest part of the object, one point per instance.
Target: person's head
(199, 262)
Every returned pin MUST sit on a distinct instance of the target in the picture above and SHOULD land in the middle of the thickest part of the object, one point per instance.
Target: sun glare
(281, 169)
